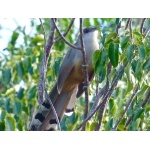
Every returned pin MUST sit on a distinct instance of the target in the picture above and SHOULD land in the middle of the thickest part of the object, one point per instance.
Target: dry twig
(142, 25)
(85, 71)
(60, 38)
(68, 43)
(41, 85)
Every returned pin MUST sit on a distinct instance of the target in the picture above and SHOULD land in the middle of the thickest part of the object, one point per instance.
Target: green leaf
(138, 114)
(124, 41)
(130, 53)
(2, 126)
(2, 115)
(109, 125)
(146, 65)
(117, 20)
(17, 108)
(109, 38)
(113, 107)
(92, 126)
(20, 93)
(20, 69)
(95, 56)
(142, 52)
(129, 86)
(113, 53)
(7, 76)
(134, 64)
(27, 62)
(9, 123)
(32, 92)
(102, 74)
(137, 123)
(14, 37)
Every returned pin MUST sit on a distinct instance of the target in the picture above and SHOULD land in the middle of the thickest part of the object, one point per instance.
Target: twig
(104, 104)
(147, 98)
(54, 111)
(60, 38)
(102, 109)
(130, 26)
(142, 25)
(43, 32)
(127, 106)
(41, 85)
(147, 31)
(127, 24)
(102, 91)
(118, 26)
(85, 71)
(109, 92)
(68, 43)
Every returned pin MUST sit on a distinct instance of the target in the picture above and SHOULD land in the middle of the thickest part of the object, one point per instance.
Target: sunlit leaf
(9, 123)
(124, 41)
(110, 37)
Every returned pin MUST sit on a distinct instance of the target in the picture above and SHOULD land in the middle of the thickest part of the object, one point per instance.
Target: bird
(70, 83)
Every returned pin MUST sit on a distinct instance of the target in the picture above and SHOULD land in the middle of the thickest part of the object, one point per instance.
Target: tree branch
(130, 27)
(127, 107)
(147, 98)
(118, 26)
(127, 24)
(85, 71)
(142, 25)
(41, 85)
(104, 100)
(68, 43)
(60, 38)
(102, 108)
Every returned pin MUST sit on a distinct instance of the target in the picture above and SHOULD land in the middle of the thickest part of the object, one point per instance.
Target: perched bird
(69, 85)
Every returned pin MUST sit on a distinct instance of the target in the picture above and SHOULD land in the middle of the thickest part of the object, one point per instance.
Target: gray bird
(69, 85)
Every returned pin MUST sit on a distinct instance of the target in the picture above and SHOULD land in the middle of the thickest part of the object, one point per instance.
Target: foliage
(19, 75)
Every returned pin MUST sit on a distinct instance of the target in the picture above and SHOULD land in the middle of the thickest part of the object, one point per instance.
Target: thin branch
(147, 31)
(118, 26)
(127, 24)
(147, 98)
(127, 107)
(41, 85)
(43, 32)
(108, 94)
(54, 111)
(102, 109)
(104, 104)
(102, 91)
(85, 71)
(142, 25)
(68, 43)
(60, 38)
(130, 26)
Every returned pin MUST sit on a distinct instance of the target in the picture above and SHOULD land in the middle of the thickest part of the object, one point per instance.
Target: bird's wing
(65, 69)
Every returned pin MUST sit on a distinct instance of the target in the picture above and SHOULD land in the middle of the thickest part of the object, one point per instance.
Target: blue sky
(8, 25)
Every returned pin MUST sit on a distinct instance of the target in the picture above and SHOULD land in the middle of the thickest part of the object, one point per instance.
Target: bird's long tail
(45, 119)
